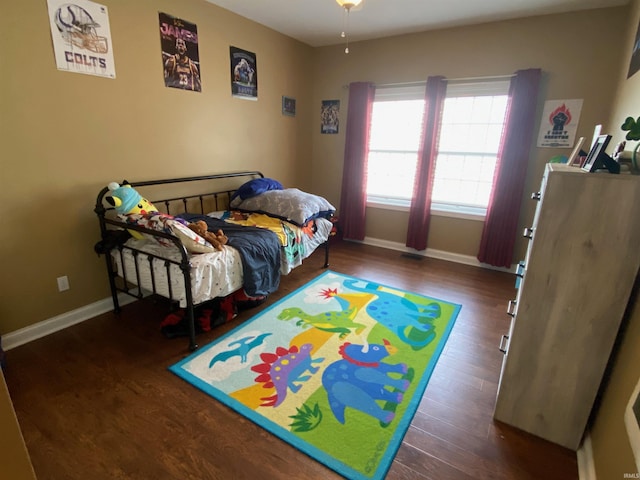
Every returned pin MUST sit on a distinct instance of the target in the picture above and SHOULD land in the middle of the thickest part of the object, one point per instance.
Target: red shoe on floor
(173, 318)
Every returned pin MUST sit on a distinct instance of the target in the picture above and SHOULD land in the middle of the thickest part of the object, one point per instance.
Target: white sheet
(213, 275)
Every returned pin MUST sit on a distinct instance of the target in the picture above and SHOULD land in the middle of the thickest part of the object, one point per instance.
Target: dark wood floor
(96, 401)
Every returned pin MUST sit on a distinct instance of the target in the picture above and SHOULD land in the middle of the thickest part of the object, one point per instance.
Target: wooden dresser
(574, 285)
(15, 463)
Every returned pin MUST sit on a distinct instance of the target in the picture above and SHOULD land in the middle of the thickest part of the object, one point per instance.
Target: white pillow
(290, 204)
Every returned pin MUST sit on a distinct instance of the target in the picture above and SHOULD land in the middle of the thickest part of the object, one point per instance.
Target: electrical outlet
(63, 283)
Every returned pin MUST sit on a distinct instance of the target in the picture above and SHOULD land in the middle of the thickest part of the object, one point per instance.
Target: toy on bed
(126, 200)
(251, 261)
(137, 210)
(217, 239)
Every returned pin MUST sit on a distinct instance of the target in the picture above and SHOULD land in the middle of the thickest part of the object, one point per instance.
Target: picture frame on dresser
(597, 158)
(574, 156)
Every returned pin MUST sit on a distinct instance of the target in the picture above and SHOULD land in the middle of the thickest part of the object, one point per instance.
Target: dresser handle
(520, 269)
(536, 196)
(502, 341)
(528, 233)
(511, 308)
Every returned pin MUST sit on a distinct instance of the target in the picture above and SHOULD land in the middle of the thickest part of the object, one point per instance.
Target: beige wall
(612, 453)
(577, 52)
(65, 135)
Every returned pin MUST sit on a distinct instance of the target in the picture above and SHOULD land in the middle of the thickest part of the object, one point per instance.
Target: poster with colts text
(559, 123)
(81, 37)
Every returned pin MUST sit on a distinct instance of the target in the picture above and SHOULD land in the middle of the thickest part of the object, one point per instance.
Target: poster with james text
(180, 56)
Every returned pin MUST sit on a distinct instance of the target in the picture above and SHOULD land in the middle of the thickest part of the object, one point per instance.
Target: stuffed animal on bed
(127, 200)
(217, 239)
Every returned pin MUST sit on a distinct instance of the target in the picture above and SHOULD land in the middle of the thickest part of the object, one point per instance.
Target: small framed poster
(329, 116)
(244, 74)
(289, 106)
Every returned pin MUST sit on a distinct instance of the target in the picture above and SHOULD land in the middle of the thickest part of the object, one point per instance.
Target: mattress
(215, 274)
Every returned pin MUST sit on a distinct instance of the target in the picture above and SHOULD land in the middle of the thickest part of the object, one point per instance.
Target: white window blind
(472, 124)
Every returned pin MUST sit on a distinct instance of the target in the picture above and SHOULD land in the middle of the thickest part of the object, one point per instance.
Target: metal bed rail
(109, 225)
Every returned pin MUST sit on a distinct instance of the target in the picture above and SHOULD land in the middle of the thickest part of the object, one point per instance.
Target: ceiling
(319, 22)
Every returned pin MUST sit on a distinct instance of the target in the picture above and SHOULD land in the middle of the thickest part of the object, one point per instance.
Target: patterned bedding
(219, 273)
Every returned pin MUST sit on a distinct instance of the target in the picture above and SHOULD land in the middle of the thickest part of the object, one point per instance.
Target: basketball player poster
(180, 57)
(81, 37)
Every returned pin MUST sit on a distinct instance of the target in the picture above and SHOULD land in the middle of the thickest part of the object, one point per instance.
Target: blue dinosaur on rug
(339, 362)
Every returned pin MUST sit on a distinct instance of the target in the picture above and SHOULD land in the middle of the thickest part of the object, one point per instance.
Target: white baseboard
(38, 330)
(46, 327)
(586, 467)
(432, 253)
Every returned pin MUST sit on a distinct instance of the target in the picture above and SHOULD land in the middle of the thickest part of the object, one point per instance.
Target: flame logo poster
(559, 123)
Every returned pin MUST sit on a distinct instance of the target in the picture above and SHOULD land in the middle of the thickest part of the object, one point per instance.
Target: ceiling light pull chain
(346, 50)
(347, 5)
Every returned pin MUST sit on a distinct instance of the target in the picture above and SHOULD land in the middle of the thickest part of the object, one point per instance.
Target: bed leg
(116, 303)
(326, 254)
(112, 284)
(192, 329)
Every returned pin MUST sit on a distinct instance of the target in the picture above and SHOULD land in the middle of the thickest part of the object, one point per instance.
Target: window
(472, 123)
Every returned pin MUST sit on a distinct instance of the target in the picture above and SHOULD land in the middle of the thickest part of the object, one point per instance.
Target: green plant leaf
(632, 127)
(633, 136)
(628, 124)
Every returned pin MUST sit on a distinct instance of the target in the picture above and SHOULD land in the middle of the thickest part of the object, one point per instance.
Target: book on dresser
(573, 288)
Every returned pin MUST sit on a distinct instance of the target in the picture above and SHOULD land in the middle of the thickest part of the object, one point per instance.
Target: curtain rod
(480, 79)
(450, 80)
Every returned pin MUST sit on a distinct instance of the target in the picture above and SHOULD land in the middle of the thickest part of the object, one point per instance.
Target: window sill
(439, 210)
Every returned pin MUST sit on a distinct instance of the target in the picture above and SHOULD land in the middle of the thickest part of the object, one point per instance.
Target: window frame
(415, 91)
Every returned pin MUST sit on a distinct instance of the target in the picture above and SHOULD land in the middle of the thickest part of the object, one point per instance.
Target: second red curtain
(420, 211)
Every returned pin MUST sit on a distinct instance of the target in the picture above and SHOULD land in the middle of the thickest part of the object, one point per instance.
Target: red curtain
(501, 223)
(420, 211)
(353, 199)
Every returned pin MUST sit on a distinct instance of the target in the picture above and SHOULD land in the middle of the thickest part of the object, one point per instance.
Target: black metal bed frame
(111, 228)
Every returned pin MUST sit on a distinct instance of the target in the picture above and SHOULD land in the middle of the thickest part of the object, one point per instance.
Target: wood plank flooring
(96, 401)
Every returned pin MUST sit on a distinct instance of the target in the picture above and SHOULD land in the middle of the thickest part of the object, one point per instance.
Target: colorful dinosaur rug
(336, 368)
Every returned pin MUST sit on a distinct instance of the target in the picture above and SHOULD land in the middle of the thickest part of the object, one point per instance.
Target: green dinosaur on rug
(333, 321)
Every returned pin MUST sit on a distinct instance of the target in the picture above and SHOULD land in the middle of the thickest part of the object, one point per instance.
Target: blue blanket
(259, 250)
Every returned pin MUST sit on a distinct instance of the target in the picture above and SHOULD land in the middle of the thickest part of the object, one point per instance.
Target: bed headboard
(201, 194)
